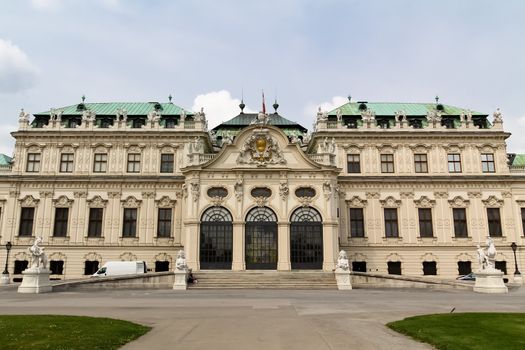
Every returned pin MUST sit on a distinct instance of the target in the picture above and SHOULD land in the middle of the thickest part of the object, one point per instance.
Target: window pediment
(62, 202)
(459, 202)
(390, 202)
(493, 202)
(424, 202)
(357, 202)
(131, 202)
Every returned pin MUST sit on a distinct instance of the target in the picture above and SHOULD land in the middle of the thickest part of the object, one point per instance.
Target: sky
(305, 54)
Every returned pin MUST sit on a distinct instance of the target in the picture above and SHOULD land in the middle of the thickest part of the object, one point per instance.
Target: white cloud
(311, 108)
(219, 106)
(16, 71)
(7, 143)
(46, 4)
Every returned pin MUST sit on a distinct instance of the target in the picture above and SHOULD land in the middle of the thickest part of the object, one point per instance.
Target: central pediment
(262, 147)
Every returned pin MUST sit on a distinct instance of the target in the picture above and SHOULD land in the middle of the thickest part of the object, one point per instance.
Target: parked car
(470, 277)
(119, 268)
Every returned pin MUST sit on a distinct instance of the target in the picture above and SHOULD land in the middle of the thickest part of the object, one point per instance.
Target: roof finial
(349, 98)
(83, 98)
(437, 99)
(275, 106)
(242, 105)
(170, 98)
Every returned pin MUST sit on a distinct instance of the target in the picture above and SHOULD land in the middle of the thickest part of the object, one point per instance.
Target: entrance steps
(263, 279)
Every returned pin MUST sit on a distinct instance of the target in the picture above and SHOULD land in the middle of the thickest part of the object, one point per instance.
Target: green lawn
(499, 331)
(55, 332)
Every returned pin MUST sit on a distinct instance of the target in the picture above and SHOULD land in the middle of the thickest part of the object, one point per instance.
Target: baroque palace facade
(404, 188)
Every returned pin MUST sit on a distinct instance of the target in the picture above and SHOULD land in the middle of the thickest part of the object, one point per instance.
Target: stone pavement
(262, 319)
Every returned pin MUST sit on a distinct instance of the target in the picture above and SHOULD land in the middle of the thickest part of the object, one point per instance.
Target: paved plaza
(262, 319)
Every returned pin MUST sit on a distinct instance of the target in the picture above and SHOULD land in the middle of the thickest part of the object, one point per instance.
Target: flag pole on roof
(263, 105)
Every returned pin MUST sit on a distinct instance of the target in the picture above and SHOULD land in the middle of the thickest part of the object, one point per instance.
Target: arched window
(306, 214)
(216, 214)
(261, 214)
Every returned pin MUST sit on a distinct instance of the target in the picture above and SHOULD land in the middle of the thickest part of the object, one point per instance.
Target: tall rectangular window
(100, 163)
(487, 163)
(33, 163)
(95, 222)
(523, 220)
(134, 163)
(387, 163)
(357, 222)
(353, 163)
(425, 222)
(494, 218)
(164, 223)
(66, 162)
(26, 222)
(60, 227)
(129, 229)
(166, 163)
(460, 222)
(391, 227)
(420, 163)
(454, 163)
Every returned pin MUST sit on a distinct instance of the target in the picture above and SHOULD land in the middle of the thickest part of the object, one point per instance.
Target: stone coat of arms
(260, 149)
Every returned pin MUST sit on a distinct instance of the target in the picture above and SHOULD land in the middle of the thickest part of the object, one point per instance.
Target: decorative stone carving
(131, 202)
(434, 118)
(474, 194)
(97, 202)
(429, 257)
(180, 263)
(356, 202)
(497, 117)
(284, 190)
(238, 187)
(46, 194)
(406, 195)
(488, 278)
(260, 149)
(148, 195)
(165, 202)
(321, 115)
(342, 262)
(372, 195)
(393, 257)
(261, 201)
(62, 202)
(506, 194)
(493, 202)
(92, 256)
(424, 202)
(128, 256)
(390, 202)
(29, 201)
(441, 195)
(195, 191)
(305, 201)
(459, 202)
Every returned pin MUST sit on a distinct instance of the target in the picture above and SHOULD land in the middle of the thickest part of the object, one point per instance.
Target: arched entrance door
(261, 239)
(306, 239)
(216, 239)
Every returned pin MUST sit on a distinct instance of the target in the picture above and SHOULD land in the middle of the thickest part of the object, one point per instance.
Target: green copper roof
(390, 108)
(519, 160)
(5, 160)
(110, 108)
(245, 119)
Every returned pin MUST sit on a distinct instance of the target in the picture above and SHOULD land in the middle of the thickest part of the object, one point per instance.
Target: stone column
(238, 263)
(283, 244)
(191, 246)
(330, 245)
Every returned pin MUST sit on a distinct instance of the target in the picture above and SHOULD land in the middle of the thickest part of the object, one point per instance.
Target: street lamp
(514, 246)
(5, 274)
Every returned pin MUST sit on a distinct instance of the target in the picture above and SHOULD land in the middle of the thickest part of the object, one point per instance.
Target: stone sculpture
(342, 262)
(38, 256)
(180, 263)
(488, 278)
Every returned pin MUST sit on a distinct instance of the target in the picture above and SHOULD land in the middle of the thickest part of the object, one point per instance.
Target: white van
(119, 268)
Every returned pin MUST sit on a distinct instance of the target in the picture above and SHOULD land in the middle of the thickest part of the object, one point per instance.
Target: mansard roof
(111, 108)
(5, 160)
(245, 119)
(410, 109)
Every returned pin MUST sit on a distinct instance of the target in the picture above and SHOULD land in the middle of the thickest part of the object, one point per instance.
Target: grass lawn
(466, 330)
(55, 332)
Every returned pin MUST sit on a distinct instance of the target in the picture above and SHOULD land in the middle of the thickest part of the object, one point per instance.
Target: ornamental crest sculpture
(260, 149)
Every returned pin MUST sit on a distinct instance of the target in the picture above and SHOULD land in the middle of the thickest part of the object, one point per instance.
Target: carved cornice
(424, 202)
(356, 202)
(459, 202)
(131, 202)
(390, 202)
(493, 202)
(62, 202)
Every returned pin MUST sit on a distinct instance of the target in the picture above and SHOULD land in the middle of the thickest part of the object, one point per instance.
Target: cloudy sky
(307, 53)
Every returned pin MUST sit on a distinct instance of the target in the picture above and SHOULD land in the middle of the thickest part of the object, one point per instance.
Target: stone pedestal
(342, 278)
(35, 281)
(181, 280)
(518, 279)
(490, 281)
(5, 279)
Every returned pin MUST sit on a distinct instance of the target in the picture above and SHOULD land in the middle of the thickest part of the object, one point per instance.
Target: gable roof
(390, 109)
(111, 108)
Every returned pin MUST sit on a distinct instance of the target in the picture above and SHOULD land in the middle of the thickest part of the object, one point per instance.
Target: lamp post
(5, 274)
(514, 246)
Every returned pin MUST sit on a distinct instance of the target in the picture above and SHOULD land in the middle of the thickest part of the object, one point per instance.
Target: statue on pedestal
(38, 256)
(342, 262)
(180, 263)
